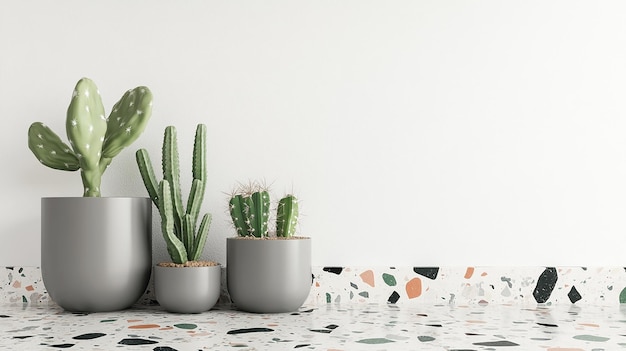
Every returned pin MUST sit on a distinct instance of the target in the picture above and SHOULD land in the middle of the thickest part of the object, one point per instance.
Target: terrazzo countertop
(320, 327)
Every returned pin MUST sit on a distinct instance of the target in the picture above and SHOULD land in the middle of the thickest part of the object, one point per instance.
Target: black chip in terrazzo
(336, 270)
(23, 337)
(332, 326)
(428, 272)
(548, 325)
(496, 343)
(545, 285)
(301, 345)
(4, 316)
(163, 348)
(308, 311)
(323, 331)
(394, 297)
(136, 341)
(574, 295)
(250, 330)
(89, 336)
(62, 346)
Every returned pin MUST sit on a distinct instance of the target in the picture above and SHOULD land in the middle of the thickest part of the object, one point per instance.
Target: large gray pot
(268, 276)
(187, 289)
(96, 252)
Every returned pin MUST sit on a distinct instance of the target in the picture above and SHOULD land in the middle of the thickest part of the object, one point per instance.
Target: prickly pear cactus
(94, 139)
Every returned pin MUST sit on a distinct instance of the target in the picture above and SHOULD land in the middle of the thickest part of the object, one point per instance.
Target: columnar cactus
(94, 139)
(249, 209)
(287, 216)
(178, 224)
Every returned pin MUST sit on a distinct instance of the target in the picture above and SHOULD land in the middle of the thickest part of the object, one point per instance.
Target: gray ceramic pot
(96, 252)
(268, 276)
(187, 289)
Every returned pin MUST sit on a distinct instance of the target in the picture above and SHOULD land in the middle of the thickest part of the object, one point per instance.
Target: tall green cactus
(249, 209)
(178, 223)
(94, 139)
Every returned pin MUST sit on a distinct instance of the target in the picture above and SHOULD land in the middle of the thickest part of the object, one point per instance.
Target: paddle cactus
(249, 209)
(94, 139)
(178, 224)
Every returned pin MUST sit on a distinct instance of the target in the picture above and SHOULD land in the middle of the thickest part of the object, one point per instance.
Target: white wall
(415, 132)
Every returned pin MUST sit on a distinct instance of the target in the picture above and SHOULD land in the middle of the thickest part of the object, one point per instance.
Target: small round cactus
(93, 138)
(249, 209)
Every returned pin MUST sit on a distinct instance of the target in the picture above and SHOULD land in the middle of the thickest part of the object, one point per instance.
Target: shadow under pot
(96, 252)
(268, 275)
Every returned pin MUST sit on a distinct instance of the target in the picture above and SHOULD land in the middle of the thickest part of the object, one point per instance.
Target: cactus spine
(94, 139)
(178, 223)
(249, 209)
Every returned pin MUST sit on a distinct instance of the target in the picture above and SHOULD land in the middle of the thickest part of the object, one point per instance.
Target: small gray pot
(187, 289)
(96, 252)
(268, 276)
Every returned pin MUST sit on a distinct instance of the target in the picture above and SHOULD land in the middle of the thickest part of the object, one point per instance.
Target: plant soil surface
(189, 264)
(271, 237)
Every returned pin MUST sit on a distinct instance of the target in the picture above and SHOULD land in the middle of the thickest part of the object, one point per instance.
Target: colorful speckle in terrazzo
(389, 279)
(374, 341)
(187, 326)
(591, 338)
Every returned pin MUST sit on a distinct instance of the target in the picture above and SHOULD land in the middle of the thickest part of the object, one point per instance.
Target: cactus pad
(50, 150)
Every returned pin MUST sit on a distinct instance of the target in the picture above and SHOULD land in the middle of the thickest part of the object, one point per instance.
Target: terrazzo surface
(320, 327)
(350, 308)
(408, 285)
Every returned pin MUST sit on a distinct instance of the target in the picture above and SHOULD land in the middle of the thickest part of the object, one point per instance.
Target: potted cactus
(185, 285)
(266, 272)
(96, 252)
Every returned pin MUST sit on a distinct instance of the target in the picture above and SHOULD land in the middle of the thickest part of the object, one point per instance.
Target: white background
(414, 132)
